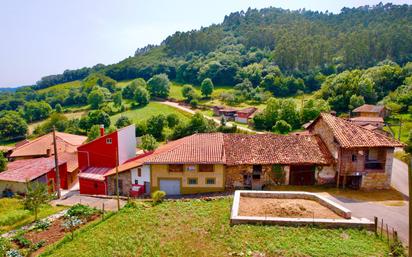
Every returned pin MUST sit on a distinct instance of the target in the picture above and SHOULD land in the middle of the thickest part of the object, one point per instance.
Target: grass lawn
(201, 228)
(66, 85)
(12, 214)
(153, 108)
(406, 126)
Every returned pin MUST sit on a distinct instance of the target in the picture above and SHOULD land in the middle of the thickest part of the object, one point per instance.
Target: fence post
(102, 211)
(376, 225)
(382, 229)
(387, 232)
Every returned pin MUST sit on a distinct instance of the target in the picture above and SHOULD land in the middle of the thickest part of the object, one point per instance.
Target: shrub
(13, 253)
(194, 103)
(282, 127)
(41, 225)
(158, 196)
(149, 143)
(80, 211)
(5, 246)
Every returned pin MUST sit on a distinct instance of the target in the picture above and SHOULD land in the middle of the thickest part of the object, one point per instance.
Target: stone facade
(376, 180)
(125, 183)
(235, 175)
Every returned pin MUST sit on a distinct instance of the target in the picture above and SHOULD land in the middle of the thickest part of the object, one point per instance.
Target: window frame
(190, 165)
(203, 165)
(109, 141)
(207, 179)
(191, 184)
(176, 170)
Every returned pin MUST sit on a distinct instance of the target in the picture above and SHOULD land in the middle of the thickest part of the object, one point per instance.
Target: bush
(5, 246)
(123, 121)
(282, 127)
(41, 225)
(158, 196)
(194, 103)
(149, 143)
(81, 211)
(172, 120)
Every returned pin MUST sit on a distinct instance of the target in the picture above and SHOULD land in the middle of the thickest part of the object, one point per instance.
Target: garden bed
(289, 208)
(292, 208)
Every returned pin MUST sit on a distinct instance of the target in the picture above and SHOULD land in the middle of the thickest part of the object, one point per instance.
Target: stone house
(363, 157)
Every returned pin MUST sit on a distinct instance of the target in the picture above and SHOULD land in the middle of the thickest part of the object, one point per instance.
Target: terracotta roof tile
(275, 149)
(350, 135)
(197, 148)
(369, 108)
(40, 146)
(27, 170)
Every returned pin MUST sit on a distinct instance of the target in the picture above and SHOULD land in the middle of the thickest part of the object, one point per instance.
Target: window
(210, 181)
(373, 154)
(190, 167)
(206, 168)
(175, 167)
(136, 182)
(139, 172)
(192, 181)
(354, 157)
(108, 141)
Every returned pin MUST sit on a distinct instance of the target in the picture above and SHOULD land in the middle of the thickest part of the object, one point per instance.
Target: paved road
(96, 202)
(216, 120)
(400, 177)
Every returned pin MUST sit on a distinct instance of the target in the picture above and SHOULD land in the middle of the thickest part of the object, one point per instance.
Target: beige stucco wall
(161, 171)
(321, 129)
(16, 187)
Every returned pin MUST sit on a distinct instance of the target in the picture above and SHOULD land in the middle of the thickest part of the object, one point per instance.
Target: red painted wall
(63, 176)
(92, 187)
(98, 153)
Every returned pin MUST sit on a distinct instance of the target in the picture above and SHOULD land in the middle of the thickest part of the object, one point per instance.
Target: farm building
(244, 115)
(20, 172)
(363, 157)
(101, 155)
(231, 114)
(369, 110)
(42, 147)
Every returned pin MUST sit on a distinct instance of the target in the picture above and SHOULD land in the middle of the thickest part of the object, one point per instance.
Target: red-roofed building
(101, 155)
(363, 157)
(20, 172)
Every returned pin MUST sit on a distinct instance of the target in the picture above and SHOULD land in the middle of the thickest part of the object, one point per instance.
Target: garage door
(171, 187)
(302, 175)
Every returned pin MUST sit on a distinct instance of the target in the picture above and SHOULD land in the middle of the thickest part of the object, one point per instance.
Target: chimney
(101, 130)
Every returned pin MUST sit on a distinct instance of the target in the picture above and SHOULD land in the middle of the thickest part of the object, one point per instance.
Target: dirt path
(216, 120)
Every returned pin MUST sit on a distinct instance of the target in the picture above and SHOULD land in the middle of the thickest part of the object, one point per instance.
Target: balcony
(374, 166)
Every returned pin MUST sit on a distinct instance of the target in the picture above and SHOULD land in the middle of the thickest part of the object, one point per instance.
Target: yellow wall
(161, 171)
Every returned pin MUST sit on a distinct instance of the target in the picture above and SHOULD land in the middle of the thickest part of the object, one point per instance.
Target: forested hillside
(253, 58)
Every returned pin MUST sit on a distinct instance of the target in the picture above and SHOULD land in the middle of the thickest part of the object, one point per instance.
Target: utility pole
(56, 163)
(117, 179)
(410, 206)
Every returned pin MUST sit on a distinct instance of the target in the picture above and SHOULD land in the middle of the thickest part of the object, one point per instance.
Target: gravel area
(287, 208)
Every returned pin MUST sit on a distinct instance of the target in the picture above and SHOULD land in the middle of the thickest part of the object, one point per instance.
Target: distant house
(244, 115)
(369, 110)
(101, 155)
(24, 171)
(363, 157)
(232, 114)
(42, 147)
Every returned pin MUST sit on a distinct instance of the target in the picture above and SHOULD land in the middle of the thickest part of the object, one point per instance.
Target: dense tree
(58, 108)
(207, 87)
(141, 96)
(355, 101)
(155, 126)
(149, 143)
(129, 90)
(282, 127)
(93, 133)
(12, 126)
(3, 162)
(141, 129)
(123, 121)
(97, 117)
(159, 86)
(117, 99)
(189, 93)
(96, 98)
(172, 120)
(34, 111)
(197, 124)
(278, 109)
(58, 120)
(312, 108)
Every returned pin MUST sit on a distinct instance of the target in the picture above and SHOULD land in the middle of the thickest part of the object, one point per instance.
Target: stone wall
(234, 175)
(376, 180)
(321, 129)
(126, 180)
(325, 174)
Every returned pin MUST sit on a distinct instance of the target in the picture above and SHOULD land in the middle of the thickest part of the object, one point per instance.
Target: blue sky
(43, 37)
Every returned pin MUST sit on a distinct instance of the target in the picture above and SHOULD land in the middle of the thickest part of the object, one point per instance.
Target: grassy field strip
(69, 115)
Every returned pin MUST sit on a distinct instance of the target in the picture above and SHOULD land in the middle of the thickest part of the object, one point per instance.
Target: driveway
(400, 177)
(216, 120)
(96, 202)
